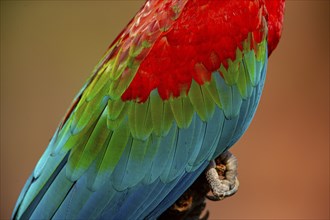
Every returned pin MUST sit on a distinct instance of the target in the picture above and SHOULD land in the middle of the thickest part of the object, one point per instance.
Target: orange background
(48, 48)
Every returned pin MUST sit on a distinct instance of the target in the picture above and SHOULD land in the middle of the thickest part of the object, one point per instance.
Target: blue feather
(71, 206)
(181, 186)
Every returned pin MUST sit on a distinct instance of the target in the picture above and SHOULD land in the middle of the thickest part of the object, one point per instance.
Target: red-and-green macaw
(176, 89)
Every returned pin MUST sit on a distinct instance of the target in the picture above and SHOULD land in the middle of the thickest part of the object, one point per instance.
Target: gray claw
(227, 185)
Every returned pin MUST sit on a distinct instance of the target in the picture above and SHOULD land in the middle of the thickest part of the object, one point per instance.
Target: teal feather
(119, 172)
(149, 205)
(71, 206)
(96, 178)
(171, 143)
(63, 137)
(55, 193)
(119, 140)
(229, 96)
(213, 132)
(259, 67)
(45, 156)
(244, 118)
(149, 158)
(228, 130)
(135, 169)
(180, 159)
(21, 197)
(39, 184)
(147, 197)
(197, 140)
(98, 202)
(161, 156)
(141, 193)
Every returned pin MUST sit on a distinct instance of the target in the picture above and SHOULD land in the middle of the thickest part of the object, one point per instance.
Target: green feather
(116, 146)
(114, 123)
(230, 74)
(261, 50)
(182, 111)
(208, 102)
(95, 143)
(187, 110)
(156, 105)
(167, 118)
(140, 120)
(198, 101)
(88, 111)
(76, 139)
(136, 50)
(109, 156)
(115, 107)
(250, 63)
(98, 83)
(196, 98)
(112, 68)
(161, 114)
(211, 88)
(244, 85)
(119, 86)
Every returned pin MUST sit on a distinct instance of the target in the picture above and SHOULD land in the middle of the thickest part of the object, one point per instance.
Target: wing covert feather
(155, 134)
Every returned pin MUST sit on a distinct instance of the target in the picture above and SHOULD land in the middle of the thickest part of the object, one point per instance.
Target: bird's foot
(222, 177)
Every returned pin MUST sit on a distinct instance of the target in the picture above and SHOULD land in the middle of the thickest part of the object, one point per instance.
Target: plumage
(177, 88)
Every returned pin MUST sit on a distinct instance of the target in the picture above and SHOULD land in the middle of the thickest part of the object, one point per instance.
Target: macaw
(176, 89)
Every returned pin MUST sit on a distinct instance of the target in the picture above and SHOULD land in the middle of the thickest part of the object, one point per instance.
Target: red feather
(205, 34)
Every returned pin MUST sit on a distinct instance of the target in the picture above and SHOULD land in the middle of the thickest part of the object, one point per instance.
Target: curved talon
(233, 190)
(225, 183)
(225, 194)
(215, 198)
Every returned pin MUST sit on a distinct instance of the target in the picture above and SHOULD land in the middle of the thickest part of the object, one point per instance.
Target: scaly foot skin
(222, 176)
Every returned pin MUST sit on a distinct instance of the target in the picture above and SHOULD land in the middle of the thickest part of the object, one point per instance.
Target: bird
(176, 89)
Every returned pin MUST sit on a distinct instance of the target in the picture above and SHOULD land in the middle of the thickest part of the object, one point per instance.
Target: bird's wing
(115, 146)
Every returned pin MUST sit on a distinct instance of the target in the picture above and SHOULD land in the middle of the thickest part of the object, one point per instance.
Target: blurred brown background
(48, 48)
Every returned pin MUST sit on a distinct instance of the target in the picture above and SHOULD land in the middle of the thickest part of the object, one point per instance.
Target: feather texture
(126, 151)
